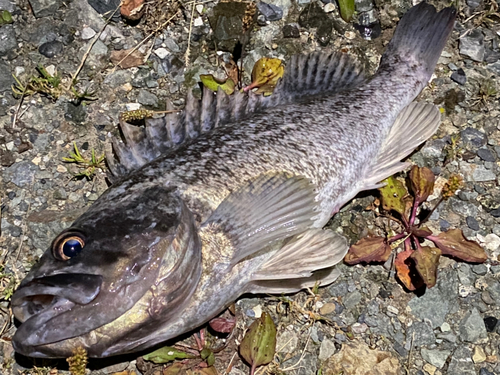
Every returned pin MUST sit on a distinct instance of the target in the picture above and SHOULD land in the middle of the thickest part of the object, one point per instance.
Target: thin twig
(303, 354)
(230, 365)
(144, 40)
(19, 107)
(188, 49)
(94, 41)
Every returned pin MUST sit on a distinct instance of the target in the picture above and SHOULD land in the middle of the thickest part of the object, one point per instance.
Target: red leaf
(455, 244)
(132, 9)
(421, 232)
(222, 325)
(426, 262)
(403, 270)
(421, 182)
(368, 249)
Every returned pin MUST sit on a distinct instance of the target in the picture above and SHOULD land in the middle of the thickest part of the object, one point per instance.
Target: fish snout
(54, 294)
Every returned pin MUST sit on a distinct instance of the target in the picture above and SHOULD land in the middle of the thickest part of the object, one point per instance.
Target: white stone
(87, 33)
(61, 169)
(51, 69)
(198, 21)
(490, 242)
(330, 7)
(258, 311)
(132, 106)
(392, 310)
(199, 8)
(36, 160)
(19, 70)
(161, 52)
(445, 327)
(10, 145)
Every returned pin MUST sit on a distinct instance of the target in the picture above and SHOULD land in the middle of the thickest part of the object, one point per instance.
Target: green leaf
(392, 195)
(5, 17)
(166, 354)
(208, 356)
(426, 262)
(212, 83)
(368, 249)
(421, 183)
(346, 9)
(259, 344)
(454, 243)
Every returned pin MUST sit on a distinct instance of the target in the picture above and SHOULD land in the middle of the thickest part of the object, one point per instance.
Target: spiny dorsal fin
(272, 207)
(305, 76)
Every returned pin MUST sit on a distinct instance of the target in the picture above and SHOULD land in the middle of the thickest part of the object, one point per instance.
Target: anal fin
(270, 208)
(416, 123)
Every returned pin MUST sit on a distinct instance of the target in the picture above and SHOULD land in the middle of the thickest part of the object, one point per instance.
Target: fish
(230, 196)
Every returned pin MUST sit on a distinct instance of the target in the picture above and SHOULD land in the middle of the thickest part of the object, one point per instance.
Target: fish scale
(227, 197)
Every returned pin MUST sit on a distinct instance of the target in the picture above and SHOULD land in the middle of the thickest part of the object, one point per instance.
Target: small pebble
(198, 22)
(87, 33)
(459, 77)
(486, 155)
(479, 356)
(329, 7)
(472, 223)
(490, 322)
(291, 31)
(51, 49)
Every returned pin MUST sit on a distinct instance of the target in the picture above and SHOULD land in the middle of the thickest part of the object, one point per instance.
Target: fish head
(98, 269)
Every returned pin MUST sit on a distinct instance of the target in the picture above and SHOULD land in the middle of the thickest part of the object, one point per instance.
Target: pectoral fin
(272, 207)
(305, 253)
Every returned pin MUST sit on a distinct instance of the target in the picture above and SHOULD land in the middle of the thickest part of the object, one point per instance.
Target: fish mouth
(39, 303)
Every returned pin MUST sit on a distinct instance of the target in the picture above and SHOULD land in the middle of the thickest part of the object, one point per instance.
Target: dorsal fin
(305, 76)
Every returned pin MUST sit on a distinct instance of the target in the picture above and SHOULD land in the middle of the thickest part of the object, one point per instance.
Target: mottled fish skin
(157, 248)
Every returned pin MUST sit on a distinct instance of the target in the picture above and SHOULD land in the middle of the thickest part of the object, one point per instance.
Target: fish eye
(67, 245)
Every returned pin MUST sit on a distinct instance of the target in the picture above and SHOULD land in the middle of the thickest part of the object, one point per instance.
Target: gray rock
(9, 5)
(44, 8)
(171, 45)
(21, 174)
(461, 362)
(352, 300)
(493, 289)
(479, 269)
(284, 5)
(481, 174)
(117, 78)
(463, 208)
(432, 306)
(51, 49)
(472, 45)
(495, 68)
(75, 113)
(486, 155)
(6, 79)
(338, 289)
(291, 31)
(459, 76)
(471, 328)
(147, 98)
(472, 223)
(363, 5)
(435, 357)
(473, 3)
(105, 6)
(484, 371)
(326, 350)
(473, 137)
(308, 364)
(422, 334)
(8, 40)
(271, 12)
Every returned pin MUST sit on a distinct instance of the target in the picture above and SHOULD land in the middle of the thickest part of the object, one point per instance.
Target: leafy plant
(265, 75)
(5, 17)
(259, 344)
(416, 266)
(45, 84)
(212, 83)
(88, 166)
(7, 284)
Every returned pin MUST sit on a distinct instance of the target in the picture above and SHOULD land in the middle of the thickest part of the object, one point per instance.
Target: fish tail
(419, 39)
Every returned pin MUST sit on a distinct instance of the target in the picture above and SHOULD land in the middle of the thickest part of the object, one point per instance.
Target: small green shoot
(7, 284)
(46, 84)
(259, 344)
(165, 355)
(89, 166)
(417, 265)
(5, 17)
(347, 9)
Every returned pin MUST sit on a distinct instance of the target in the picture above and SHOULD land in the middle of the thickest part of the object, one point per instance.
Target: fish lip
(45, 298)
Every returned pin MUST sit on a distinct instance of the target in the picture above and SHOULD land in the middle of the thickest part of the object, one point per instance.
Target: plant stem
(414, 210)
(396, 237)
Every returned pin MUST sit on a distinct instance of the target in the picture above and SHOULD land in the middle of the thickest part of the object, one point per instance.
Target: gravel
(449, 329)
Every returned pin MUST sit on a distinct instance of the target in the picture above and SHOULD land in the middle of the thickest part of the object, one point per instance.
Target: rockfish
(230, 196)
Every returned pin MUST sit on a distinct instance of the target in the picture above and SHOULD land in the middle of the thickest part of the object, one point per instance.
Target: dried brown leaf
(134, 59)
(222, 325)
(368, 249)
(421, 232)
(454, 243)
(132, 9)
(421, 183)
(426, 262)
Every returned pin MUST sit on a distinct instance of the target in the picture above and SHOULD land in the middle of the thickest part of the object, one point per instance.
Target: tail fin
(419, 39)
